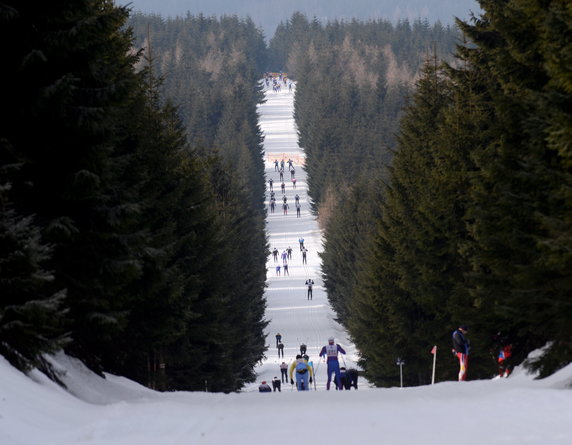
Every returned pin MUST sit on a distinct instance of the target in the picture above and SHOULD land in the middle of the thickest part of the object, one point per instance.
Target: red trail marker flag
(434, 350)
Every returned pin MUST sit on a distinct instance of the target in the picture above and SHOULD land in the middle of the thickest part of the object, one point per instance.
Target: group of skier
(279, 167)
(301, 371)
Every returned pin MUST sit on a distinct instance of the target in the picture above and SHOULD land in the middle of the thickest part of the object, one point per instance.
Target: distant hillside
(269, 13)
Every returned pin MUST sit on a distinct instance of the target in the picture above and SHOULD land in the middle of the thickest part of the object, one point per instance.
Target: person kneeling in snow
(264, 387)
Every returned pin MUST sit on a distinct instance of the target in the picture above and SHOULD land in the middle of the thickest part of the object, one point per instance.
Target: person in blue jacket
(331, 350)
(461, 348)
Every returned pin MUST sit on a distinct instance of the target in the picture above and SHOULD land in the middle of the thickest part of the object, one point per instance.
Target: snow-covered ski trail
(289, 311)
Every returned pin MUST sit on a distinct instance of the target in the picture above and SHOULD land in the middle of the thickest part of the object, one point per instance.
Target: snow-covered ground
(116, 411)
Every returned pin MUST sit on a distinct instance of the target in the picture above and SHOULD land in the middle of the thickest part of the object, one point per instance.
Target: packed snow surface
(116, 411)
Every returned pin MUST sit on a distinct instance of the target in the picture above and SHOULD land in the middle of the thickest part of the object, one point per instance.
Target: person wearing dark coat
(276, 384)
(461, 348)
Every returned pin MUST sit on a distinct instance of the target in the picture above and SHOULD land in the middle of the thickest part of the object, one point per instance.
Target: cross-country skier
(303, 371)
(276, 385)
(271, 181)
(461, 348)
(298, 208)
(304, 252)
(302, 349)
(351, 378)
(331, 350)
(309, 283)
(301, 241)
(278, 338)
(289, 251)
(275, 254)
(284, 372)
(280, 349)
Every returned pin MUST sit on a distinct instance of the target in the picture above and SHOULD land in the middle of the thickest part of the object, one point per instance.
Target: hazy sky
(269, 13)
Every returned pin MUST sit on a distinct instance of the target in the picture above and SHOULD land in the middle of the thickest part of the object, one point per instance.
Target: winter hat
(264, 382)
(331, 339)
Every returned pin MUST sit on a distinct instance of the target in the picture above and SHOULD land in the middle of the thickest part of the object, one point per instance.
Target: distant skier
(298, 208)
(304, 259)
(275, 165)
(504, 348)
(280, 350)
(276, 385)
(284, 257)
(275, 254)
(290, 164)
(278, 338)
(331, 350)
(278, 270)
(284, 372)
(271, 182)
(272, 205)
(293, 183)
(302, 349)
(297, 198)
(264, 387)
(461, 348)
(281, 175)
(283, 187)
(285, 208)
(303, 371)
(286, 269)
(284, 199)
(301, 241)
(309, 283)
(292, 172)
(289, 251)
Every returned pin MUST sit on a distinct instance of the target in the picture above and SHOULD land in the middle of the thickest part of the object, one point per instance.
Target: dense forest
(120, 218)
(470, 224)
(132, 187)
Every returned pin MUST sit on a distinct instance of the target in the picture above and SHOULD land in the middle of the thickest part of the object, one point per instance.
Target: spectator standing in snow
(461, 348)
(284, 372)
(276, 385)
(264, 387)
(309, 283)
(331, 350)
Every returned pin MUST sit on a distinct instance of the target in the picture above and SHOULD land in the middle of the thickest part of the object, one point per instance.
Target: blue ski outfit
(331, 350)
(303, 373)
